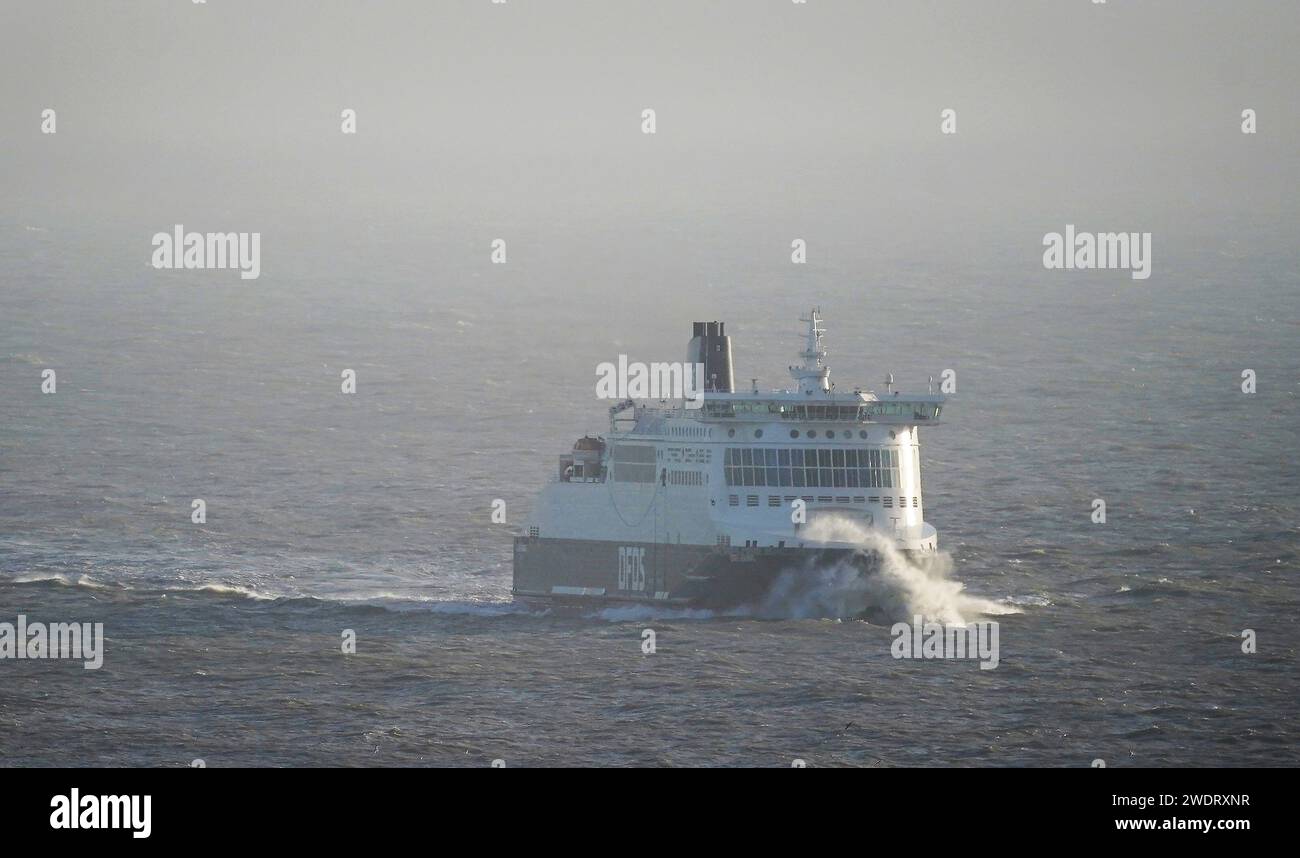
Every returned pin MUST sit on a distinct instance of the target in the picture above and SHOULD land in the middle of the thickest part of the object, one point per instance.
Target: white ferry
(706, 506)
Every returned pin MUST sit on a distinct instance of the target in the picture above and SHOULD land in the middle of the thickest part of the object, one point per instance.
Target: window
(800, 467)
(901, 408)
(633, 463)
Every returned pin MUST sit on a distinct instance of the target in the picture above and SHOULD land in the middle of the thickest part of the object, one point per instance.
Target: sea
(1164, 635)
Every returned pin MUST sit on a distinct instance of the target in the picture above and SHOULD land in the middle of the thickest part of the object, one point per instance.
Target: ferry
(706, 504)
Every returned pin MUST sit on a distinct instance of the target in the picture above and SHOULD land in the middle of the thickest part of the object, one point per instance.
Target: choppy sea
(1120, 641)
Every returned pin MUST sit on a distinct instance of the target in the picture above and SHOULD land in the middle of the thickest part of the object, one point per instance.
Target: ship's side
(709, 506)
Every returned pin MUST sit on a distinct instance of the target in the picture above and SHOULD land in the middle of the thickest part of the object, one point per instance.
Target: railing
(651, 418)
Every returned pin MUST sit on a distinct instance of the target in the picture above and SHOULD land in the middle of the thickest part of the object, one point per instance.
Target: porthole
(758, 433)
(830, 433)
(812, 433)
(731, 433)
(794, 433)
(862, 433)
(892, 434)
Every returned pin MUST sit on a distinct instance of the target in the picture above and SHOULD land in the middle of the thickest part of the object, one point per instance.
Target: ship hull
(589, 571)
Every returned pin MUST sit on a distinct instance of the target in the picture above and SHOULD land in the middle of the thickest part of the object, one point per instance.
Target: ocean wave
(899, 589)
(85, 581)
(1030, 601)
(414, 604)
(63, 580)
(224, 590)
(641, 613)
(23, 358)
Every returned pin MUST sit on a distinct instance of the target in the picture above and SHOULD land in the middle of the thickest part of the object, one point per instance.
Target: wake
(897, 591)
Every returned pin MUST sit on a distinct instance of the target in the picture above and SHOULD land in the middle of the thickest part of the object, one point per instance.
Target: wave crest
(898, 590)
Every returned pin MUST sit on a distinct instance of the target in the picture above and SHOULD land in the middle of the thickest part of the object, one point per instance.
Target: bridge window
(799, 467)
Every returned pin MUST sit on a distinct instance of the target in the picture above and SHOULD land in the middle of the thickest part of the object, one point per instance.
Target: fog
(817, 116)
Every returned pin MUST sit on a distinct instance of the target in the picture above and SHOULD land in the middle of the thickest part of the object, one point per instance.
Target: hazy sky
(522, 120)
(468, 108)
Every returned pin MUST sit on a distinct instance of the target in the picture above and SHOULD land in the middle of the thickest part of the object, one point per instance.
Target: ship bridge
(815, 399)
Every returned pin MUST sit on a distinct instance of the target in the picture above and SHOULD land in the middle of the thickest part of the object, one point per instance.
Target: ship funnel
(712, 347)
